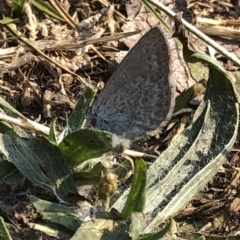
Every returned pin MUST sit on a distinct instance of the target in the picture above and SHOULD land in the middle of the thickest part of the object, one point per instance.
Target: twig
(138, 154)
(26, 123)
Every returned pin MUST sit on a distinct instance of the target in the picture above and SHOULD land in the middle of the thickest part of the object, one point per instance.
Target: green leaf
(124, 170)
(56, 213)
(14, 178)
(90, 173)
(8, 109)
(103, 229)
(18, 6)
(158, 235)
(7, 20)
(5, 235)
(52, 133)
(197, 68)
(45, 7)
(84, 144)
(136, 197)
(198, 157)
(76, 119)
(39, 161)
(182, 100)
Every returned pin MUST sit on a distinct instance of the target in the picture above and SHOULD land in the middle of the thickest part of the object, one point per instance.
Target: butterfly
(138, 98)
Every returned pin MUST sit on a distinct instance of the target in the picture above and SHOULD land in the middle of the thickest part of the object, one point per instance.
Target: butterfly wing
(139, 97)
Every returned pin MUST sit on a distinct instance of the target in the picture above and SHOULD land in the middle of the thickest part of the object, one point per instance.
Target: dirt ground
(42, 90)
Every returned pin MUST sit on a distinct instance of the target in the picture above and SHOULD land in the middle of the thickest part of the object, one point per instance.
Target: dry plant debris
(42, 90)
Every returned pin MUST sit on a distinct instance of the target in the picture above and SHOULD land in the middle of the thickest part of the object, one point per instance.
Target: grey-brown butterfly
(138, 98)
